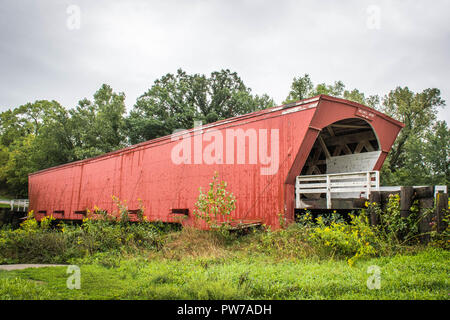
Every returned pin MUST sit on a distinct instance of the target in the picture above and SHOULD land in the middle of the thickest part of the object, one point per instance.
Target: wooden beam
(313, 169)
(316, 155)
(346, 149)
(337, 151)
(324, 148)
(364, 144)
(359, 147)
(330, 130)
(349, 126)
(423, 192)
(350, 138)
(314, 161)
(368, 146)
(318, 162)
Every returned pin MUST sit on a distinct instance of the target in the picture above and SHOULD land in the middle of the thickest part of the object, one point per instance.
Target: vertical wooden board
(441, 211)
(406, 201)
(426, 205)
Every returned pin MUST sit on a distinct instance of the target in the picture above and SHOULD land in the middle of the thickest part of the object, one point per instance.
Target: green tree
(18, 165)
(43, 134)
(303, 88)
(11, 127)
(437, 153)
(98, 125)
(427, 159)
(54, 144)
(355, 95)
(30, 141)
(335, 90)
(24, 120)
(417, 111)
(176, 100)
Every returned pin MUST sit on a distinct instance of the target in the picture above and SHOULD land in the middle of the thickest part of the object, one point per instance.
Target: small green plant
(122, 208)
(215, 206)
(329, 218)
(46, 222)
(30, 224)
(103, 214)
(392, 219)
(305, 219)
(281, 220)
(140, 213)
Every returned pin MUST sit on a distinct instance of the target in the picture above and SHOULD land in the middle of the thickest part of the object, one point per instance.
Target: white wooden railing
(437, 189)
(360, 183)
(20, 204)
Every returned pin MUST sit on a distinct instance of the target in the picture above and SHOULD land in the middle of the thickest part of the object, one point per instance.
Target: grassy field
(204, 268)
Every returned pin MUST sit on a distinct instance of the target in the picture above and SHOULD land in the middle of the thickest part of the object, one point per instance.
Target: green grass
(238, 275)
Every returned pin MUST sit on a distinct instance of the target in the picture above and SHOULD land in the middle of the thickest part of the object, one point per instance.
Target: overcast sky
(370, 45)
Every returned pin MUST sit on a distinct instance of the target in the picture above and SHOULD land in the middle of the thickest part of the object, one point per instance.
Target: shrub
(324, 237)
(30, 224)
(101, 235)
(39, 243)
(32, 247)
(352, 241)
(215, 206)
(393, 229)
(122, 214)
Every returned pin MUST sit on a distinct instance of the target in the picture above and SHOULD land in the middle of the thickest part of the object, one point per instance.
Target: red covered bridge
(310, 153)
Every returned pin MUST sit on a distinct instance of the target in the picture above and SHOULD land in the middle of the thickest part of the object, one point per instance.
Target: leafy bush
(331, 236)
(215, 206)
(393, 229)
(326, 236)
(30, 224)
(37, 242)
(353, 241)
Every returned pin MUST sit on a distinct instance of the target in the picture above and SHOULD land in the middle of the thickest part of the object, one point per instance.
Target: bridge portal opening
(348, 145)
(339, 166)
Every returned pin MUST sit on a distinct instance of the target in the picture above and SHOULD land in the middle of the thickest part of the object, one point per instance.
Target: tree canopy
(177, 100)
(43, 134)
(302, 88)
